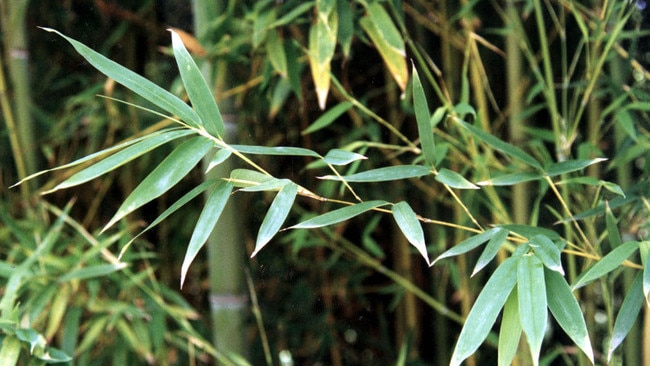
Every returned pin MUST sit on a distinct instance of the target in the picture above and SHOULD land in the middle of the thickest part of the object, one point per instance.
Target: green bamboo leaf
(501, 145)
(273, 184)
(263, 18)
(248, 178)
(613, 234)
(322, 43)
(566, 311)
(328, 117)
(644, 249)
(408, 222)
(293, 14)
(278, 212)
(484, 313)
(468, 244)
(275, 150)
(454, 180)
(138, 84)
(510, 331)
(531, 289)
(92, 272)
(529, 231)
(491, 250)
(213, 208)
(569, 166)
(346, 26)
(388, 40)
(275, 52)
(339, 215)
(170, 171)
(547, 252)
(627, 315)
(607, 264)
(342, 157)
(384, 174)
(120, 158)
(197, 89)
(423, 118)
(219, 157)
(510, 179)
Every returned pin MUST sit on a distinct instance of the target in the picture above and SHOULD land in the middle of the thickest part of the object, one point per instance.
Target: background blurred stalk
(18, 119)
(225, 248)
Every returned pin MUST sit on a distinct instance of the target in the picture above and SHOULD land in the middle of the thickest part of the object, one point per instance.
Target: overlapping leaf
(510, 331)
(547, 252)
(627, 315)
(384, 174)
(491, 249)
(454, 180)
(276, 215)
(531, 289)
(408, 222)
(468, 244)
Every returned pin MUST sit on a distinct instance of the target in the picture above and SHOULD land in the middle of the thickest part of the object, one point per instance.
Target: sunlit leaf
(627, 315)
(531, 289)
(328, 117)
(384, 174)
(607, 263)
(322, 43)
(510, 331)
(339, 215)
(248, 178)
(566, 311)
(211, 212)
(342, 157)
(423, 117)
(277, 213)
(138, 84)
(468, 244)
(491, 250)
(547, 252)
(388, 40)
(169, 172)
(120, 158)
(197, 89)
(569, 166)
(219, 157)
(644, 249)
(274, 150)
(408, 222)
(485, 310)
(454, 180)
(98, 270)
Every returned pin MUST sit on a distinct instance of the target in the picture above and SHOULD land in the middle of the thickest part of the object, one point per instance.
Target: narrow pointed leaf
(339, 215)
(531, 289)
(328, 117)
(569, 166)
(566, 311)
(248, 178)
(510, 331)
(213, 208)
(510, 179)
(547, 252)
(275, 150)
(120, 158)
(627, 315)
(277, 213)
(218, 158)
(408, 222)
(275, 52)
(170, 171)
(342, 157)
(92, 271)
(491, 250)
(607, 264)
(454, 180)
(468, 244)
(384, 174)
(322, 43)
(613, 234)
(388, 40)
(484, 313)
(423, 117)
(273, 184)
(136, 83)
(502, 146)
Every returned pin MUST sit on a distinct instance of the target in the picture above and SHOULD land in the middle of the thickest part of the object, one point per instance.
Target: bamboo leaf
(219, 157)
(547, 252)
(386, 37)
(510, 179)
(197, 89)
(569, 166)
(384, 174)
(501, 145)
(272, 184)
(423, 118)
(342, 157)
(627, 315)
(170, 171)
(408, 222)
(454, 180)
(322, 43)
(275, 52)
(484, 313)
(491, 250)
(531, 290)
(248, 178)
(275, 150)
(644, 249)
(613, 234)
(211, 212)
(328, 117)
(120, 158)
(468, 244)
(277, 213)
(92, 271)
(138, 84)
(607, 264)
(566, 311)
(510, 331)
(339, 215)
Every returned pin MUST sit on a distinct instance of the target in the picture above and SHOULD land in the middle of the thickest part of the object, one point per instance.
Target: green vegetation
(416, 182)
